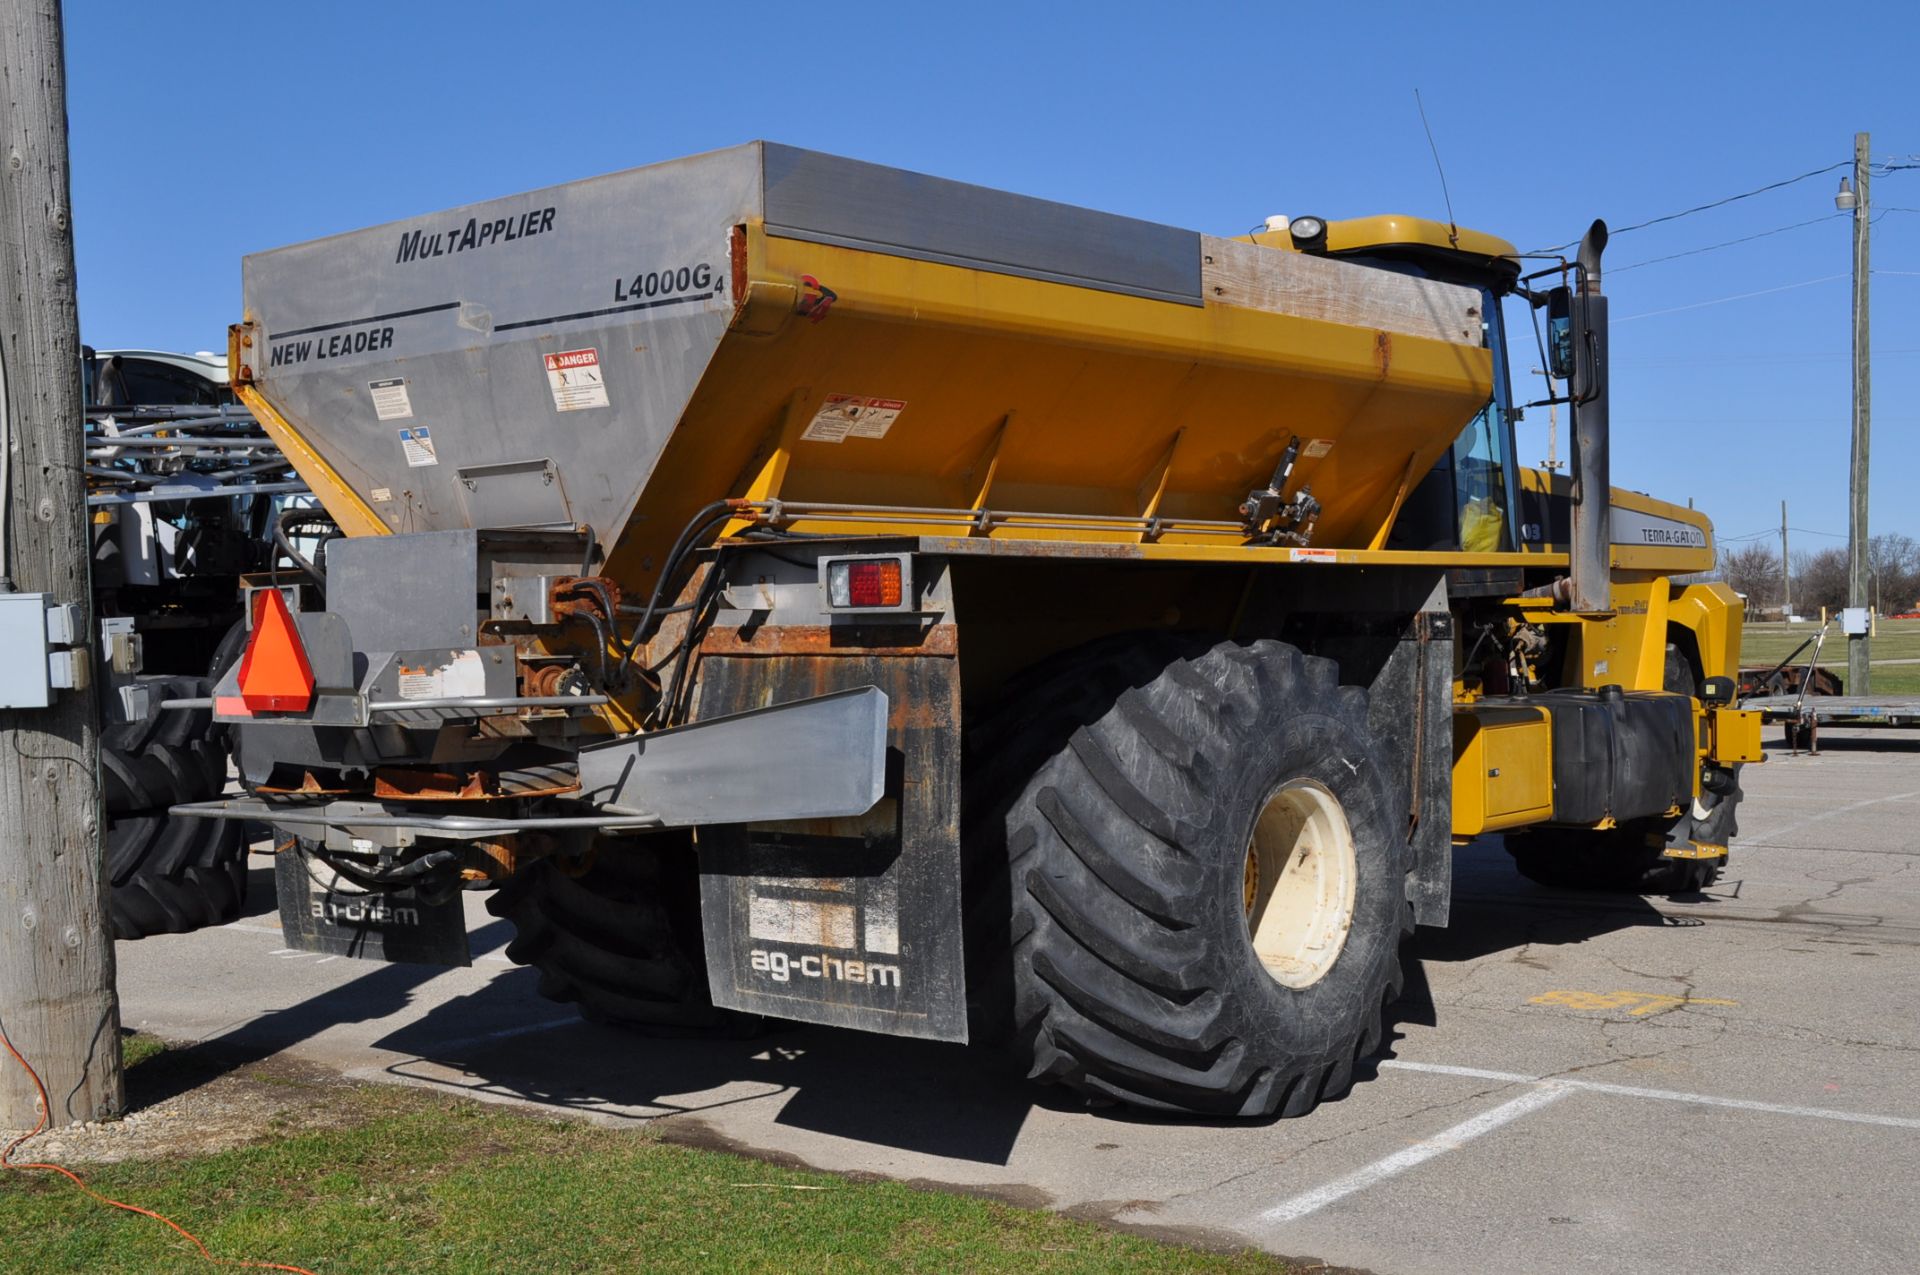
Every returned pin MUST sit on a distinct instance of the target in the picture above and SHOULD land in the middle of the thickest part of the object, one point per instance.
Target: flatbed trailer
(1803, 715)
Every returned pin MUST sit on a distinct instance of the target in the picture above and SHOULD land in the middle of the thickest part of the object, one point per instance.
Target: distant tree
(1820, 580)
(1894, 561)
(1753, 571)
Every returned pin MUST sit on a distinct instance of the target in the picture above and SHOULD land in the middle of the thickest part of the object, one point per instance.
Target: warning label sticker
(461, 676)
(1316, 448)
(575, 378)
(417, 443)
(390, 401)
(845, 416)
(1313, 555)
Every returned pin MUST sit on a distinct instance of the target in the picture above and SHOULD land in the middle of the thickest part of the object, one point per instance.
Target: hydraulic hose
(298, 518)
(697, 526)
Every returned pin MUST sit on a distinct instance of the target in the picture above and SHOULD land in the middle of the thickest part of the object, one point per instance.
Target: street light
(1845, 199)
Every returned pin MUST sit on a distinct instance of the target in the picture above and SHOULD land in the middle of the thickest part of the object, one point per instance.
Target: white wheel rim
(1300, 876)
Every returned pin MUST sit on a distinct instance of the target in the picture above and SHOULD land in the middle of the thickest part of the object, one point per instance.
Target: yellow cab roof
(1397, 230)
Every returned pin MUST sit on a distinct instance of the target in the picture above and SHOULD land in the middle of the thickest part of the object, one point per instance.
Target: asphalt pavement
(1729, 1082)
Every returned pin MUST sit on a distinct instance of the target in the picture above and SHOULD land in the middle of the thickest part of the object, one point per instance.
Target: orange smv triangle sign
(274, 673)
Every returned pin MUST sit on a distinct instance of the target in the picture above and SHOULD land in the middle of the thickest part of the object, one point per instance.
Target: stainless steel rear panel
(522, 362)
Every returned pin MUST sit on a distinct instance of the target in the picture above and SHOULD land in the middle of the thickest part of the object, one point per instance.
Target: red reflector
(874, 583)
(274, 673)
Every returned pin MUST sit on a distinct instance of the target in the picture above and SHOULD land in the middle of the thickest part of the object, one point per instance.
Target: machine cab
(1469, 501)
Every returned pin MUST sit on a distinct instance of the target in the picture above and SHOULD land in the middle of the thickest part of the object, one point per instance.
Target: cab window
(1467, 500)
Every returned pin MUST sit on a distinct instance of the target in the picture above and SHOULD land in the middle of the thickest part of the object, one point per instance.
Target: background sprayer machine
(798, 587)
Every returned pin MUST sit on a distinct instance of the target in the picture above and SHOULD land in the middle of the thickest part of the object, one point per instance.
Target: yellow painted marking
(1637, 1004)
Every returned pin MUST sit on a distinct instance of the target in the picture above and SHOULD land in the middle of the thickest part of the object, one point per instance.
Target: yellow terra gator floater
(797, 587)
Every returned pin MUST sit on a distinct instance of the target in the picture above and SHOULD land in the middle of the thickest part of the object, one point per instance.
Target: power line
(1694, 252)
(1718, 203)
(1743, 422)
(1738, 296)
(1773, 357)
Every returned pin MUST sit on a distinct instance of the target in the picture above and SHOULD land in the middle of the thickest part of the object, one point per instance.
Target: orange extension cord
(46, 1107)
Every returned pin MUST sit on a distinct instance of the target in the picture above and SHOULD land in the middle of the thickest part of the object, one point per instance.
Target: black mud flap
(847, 922)
(318, 917)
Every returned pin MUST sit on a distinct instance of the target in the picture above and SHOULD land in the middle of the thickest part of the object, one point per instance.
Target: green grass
(137, 1047)
(1772, 642)
(430, 1183)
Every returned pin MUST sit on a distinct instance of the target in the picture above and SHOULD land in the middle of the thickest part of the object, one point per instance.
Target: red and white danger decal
(574, 377)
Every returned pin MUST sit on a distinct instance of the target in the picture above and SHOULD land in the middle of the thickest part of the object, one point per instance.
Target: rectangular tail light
(869, 582)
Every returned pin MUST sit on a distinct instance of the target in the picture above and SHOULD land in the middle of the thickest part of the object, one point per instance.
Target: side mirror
(1561, 341)
(1573, 346)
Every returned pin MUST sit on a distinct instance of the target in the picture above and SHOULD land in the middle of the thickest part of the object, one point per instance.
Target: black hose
(299, 518)
(598, 588)
(394, 878)
(602, 640)
(697, 526)
(669, 708)
(605, 631)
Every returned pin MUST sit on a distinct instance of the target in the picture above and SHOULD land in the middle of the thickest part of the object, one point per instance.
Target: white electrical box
(1853, 621)
(31, 627)
(23, 636)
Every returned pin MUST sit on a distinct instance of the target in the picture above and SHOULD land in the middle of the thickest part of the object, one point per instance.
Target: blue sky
(201, 134)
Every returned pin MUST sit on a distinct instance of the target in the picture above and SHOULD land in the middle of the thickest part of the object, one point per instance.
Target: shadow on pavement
(382, 991)
(924, 1096)
(1869, 739)
(1496, 910)
(502, 1041)
(260, 904)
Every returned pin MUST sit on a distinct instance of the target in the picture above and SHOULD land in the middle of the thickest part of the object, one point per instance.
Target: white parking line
(1762, 838)
(1663, 1095)
(1400, 1161)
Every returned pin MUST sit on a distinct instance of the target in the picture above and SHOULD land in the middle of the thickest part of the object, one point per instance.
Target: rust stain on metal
(497, 858)
(921, 713)
(737, 260)
(493, 859)
(821, 639)
(1097, 550)
(409, 784)
(571, 595)
(309, 786)
(1383, 351)
(545, 679)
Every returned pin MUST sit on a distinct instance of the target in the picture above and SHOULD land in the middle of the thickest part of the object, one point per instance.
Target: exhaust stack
(1592, 546)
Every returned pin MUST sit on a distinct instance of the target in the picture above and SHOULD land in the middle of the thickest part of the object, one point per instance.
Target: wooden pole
(1859, 665)
(57, 1001)
(1786, 569)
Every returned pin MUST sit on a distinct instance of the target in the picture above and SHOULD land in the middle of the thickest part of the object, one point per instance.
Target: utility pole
(1553, 425)
(1786, 571)
(57, 1001)
(1859, 674)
